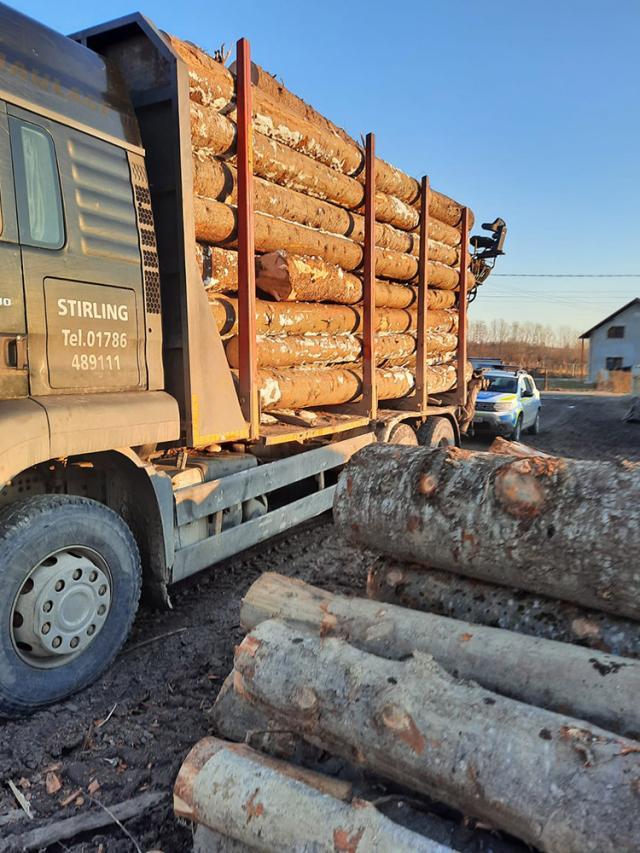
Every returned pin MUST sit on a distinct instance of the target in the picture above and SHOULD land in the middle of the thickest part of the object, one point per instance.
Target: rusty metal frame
(369, 386)
(462, 308)
(247, 343)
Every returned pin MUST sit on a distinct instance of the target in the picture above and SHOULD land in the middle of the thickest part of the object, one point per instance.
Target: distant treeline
(534, 346)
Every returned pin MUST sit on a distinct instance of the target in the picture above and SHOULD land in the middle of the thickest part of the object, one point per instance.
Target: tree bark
(300, 278)
(300, 387)
(435, 591)
(213, 87)
(219, 268)
(295, 350)
(263, 802)
(304, 278)
(474, 750)
(504, 447)
(565, 528)
(593, 686)
(279, 318)
(214, 135)
(216, 223)
(217, 180)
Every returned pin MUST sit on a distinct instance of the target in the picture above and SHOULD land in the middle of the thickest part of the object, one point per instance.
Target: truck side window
(38, 195)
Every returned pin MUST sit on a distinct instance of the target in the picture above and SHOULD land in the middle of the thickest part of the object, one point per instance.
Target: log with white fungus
(278, 318)
(213, 87)
(217, 180)
(479, 752)
(291, 350)
(217, 223)
(590, 685)
(565, 528)
(297, 387)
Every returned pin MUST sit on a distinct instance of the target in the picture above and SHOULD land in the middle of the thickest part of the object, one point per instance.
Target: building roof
(589, 332)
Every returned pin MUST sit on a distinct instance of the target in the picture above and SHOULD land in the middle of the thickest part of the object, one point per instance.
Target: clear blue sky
(527, 111)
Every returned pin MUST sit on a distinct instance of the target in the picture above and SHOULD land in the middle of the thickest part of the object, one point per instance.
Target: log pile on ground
(522, 735)
(309, 235)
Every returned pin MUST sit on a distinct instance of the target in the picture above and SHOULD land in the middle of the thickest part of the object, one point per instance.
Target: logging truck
(133, 451)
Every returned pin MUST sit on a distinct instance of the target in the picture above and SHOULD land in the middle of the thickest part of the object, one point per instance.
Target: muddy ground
(128, 733)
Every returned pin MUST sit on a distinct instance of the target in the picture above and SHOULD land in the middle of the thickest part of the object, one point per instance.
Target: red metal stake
(462, 308)
(369, 390)
(248, 361)
(422, 392)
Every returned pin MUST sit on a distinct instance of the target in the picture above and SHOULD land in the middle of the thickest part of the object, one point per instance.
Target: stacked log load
(309, 236)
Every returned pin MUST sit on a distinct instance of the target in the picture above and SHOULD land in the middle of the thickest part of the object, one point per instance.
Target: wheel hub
(61, 607)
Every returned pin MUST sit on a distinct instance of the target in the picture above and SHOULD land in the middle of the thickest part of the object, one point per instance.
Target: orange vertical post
(462, 308)
(369, 390)
(422, 391)
(248, 361)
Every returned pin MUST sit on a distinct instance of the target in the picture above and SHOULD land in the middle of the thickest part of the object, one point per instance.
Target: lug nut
(47, 606)
(102, 589)
(57, 642)
(59, 586)
(46, 627)
(74, 642)
(77, 574)
(91, 630)
(93, 576)
(101, 610)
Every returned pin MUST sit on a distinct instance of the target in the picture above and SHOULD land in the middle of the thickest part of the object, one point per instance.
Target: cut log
(477, 751)
(484, 603)
(207, 840)
(216, 223)
(293, 278)
(565, 528)
(213, 86)
(515, 448)
(292, 350)
(219, 268)
(278, 318)
(214, 135)
(299, 387)
(263, 802)
(236, 719)
(593, 686)
(216, 180)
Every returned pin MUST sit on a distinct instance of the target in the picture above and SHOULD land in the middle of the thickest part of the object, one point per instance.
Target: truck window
(38, 195)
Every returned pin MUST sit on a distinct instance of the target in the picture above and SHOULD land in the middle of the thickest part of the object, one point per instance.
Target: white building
(614, 343)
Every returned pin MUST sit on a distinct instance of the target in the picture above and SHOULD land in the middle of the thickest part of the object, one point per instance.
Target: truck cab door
(13, 372)
(81, 261)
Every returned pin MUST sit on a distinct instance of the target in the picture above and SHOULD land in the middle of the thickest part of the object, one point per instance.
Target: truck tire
(534, 429)
(403, 433)
(436, 432)
(71, 577)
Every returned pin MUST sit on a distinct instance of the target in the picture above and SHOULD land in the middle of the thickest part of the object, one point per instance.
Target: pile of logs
(470, 703)
(309, 236)
(523, 735)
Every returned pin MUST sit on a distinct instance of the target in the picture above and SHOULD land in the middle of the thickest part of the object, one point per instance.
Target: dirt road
(129, 732)
(583, 426)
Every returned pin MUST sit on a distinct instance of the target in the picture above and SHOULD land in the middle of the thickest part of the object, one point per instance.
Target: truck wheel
(403, 434)
(70, 574)
(534, 429)
(517, 430)
(436, 432)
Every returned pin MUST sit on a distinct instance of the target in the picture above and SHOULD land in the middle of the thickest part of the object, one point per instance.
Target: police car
(509, 403)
